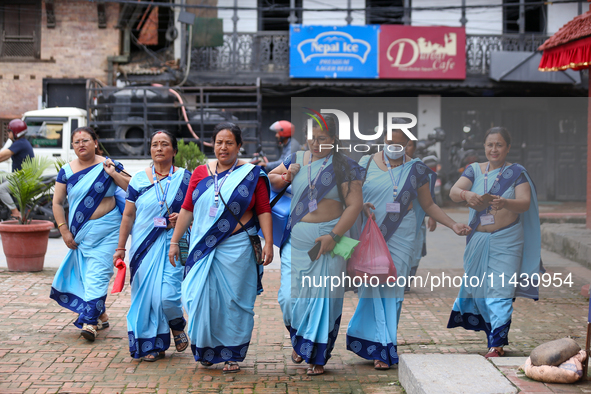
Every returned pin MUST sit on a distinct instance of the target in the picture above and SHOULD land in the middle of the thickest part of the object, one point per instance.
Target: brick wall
(75, 48)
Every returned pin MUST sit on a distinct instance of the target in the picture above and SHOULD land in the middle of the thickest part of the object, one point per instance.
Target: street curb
(572, 241)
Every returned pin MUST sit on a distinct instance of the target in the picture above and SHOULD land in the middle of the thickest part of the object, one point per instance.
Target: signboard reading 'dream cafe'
(333, 52)
(422, 52)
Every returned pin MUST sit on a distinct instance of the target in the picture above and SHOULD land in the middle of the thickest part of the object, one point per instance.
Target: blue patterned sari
(82, 280)
(222, 278)
(155, 284)
(312, 315)
(372, 331)
(512, 250)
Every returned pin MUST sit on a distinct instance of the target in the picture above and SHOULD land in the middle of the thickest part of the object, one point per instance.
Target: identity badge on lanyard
(394, 207)
(160, 221)
(213, 210)
(312, 191)
(489, 218)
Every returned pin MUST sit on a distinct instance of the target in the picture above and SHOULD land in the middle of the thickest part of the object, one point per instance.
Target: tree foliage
(189, 156)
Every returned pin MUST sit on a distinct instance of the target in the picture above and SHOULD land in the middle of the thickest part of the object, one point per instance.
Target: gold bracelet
(61, 224)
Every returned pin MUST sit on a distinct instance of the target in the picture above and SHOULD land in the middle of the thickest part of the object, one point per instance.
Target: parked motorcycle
(41, 209)
(461, 154)
(428, 155)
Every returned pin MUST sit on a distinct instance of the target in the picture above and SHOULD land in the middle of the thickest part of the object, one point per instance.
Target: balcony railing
(267, 53)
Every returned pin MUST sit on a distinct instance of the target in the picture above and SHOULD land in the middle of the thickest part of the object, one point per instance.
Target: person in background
(19, 150)
(283, 132)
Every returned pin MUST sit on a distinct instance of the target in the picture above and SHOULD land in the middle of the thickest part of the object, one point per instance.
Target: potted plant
(25, 240)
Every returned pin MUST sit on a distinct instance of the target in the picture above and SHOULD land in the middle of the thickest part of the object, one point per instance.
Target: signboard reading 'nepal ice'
(333, 52)
(421, 52)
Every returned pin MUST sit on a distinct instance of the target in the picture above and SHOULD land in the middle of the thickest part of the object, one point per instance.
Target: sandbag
(568, 372)
(554, 352)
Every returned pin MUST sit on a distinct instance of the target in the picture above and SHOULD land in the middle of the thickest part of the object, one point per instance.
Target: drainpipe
(124, 58)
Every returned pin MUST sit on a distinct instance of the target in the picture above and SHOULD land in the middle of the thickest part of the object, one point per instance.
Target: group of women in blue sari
(225, 202)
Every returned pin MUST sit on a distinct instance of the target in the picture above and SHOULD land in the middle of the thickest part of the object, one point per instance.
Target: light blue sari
(82, 280)
(512, 250)
(222, 278)
(155, 284)
(372, 331)
(311, 314)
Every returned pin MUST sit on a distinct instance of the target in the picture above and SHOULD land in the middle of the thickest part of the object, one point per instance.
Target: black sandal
(206, 363)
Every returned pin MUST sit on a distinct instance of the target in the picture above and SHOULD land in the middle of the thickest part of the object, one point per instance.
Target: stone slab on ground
(508, 361)
(451, 373)
(572, 241)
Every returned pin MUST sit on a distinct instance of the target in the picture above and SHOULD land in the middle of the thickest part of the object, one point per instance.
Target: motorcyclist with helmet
(283, 132)
(20, 149)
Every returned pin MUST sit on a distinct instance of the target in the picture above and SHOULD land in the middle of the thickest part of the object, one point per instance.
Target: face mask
(394, 152)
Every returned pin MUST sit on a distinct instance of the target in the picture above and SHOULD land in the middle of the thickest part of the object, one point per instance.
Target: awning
(517, 66)
(575, 55)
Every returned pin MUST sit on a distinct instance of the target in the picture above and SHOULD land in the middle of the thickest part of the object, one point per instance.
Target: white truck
(50, 133)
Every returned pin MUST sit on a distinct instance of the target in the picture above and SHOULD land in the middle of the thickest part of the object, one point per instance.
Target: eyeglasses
(83, 142)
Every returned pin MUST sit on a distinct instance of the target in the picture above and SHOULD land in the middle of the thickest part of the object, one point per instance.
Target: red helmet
(283, 127)
(18, 127)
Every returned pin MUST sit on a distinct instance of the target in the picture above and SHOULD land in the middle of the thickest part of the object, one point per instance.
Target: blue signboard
(333, 51)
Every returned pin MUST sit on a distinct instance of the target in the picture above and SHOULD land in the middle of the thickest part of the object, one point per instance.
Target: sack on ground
(372, 256)
(569, 371)
(554, 352)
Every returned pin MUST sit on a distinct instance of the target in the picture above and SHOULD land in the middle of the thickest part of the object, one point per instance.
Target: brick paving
(42, 352)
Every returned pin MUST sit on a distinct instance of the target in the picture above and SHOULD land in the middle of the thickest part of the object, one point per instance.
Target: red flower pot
(25, 245)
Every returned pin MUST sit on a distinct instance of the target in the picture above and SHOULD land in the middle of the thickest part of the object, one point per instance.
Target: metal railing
(267, 53)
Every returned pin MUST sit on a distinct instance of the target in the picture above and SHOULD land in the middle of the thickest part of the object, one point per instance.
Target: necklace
(162, 175)
(392, 165)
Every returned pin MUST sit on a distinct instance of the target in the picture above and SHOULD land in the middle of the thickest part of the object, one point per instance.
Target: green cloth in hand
(345, 247)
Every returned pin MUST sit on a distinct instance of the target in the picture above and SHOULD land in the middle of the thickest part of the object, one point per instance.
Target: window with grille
(384, 12)
(274, 14)
(20, 28)
(535, 16)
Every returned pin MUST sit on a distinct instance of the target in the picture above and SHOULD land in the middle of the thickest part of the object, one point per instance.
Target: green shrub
(189, 156)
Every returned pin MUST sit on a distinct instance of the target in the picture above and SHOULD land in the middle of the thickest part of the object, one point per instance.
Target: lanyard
(310, 183)
(156, 181)
(216, 186)
(395, 190)
(496, 180)
(486, 176)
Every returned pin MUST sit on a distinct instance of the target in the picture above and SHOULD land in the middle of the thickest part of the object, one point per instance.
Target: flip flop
(492, 352)
(88, 332)
(380, 367)
(231, 364)
(294, 360)
(155, 357)
(101, 325)
(181, 342)
(206, 363)
(312, 371)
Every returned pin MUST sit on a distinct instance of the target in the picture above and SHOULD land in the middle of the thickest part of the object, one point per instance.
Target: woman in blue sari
(399, 189)
(90, 183)
(225, 200)
(154, 199)
(326, 200)
(504, 245)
